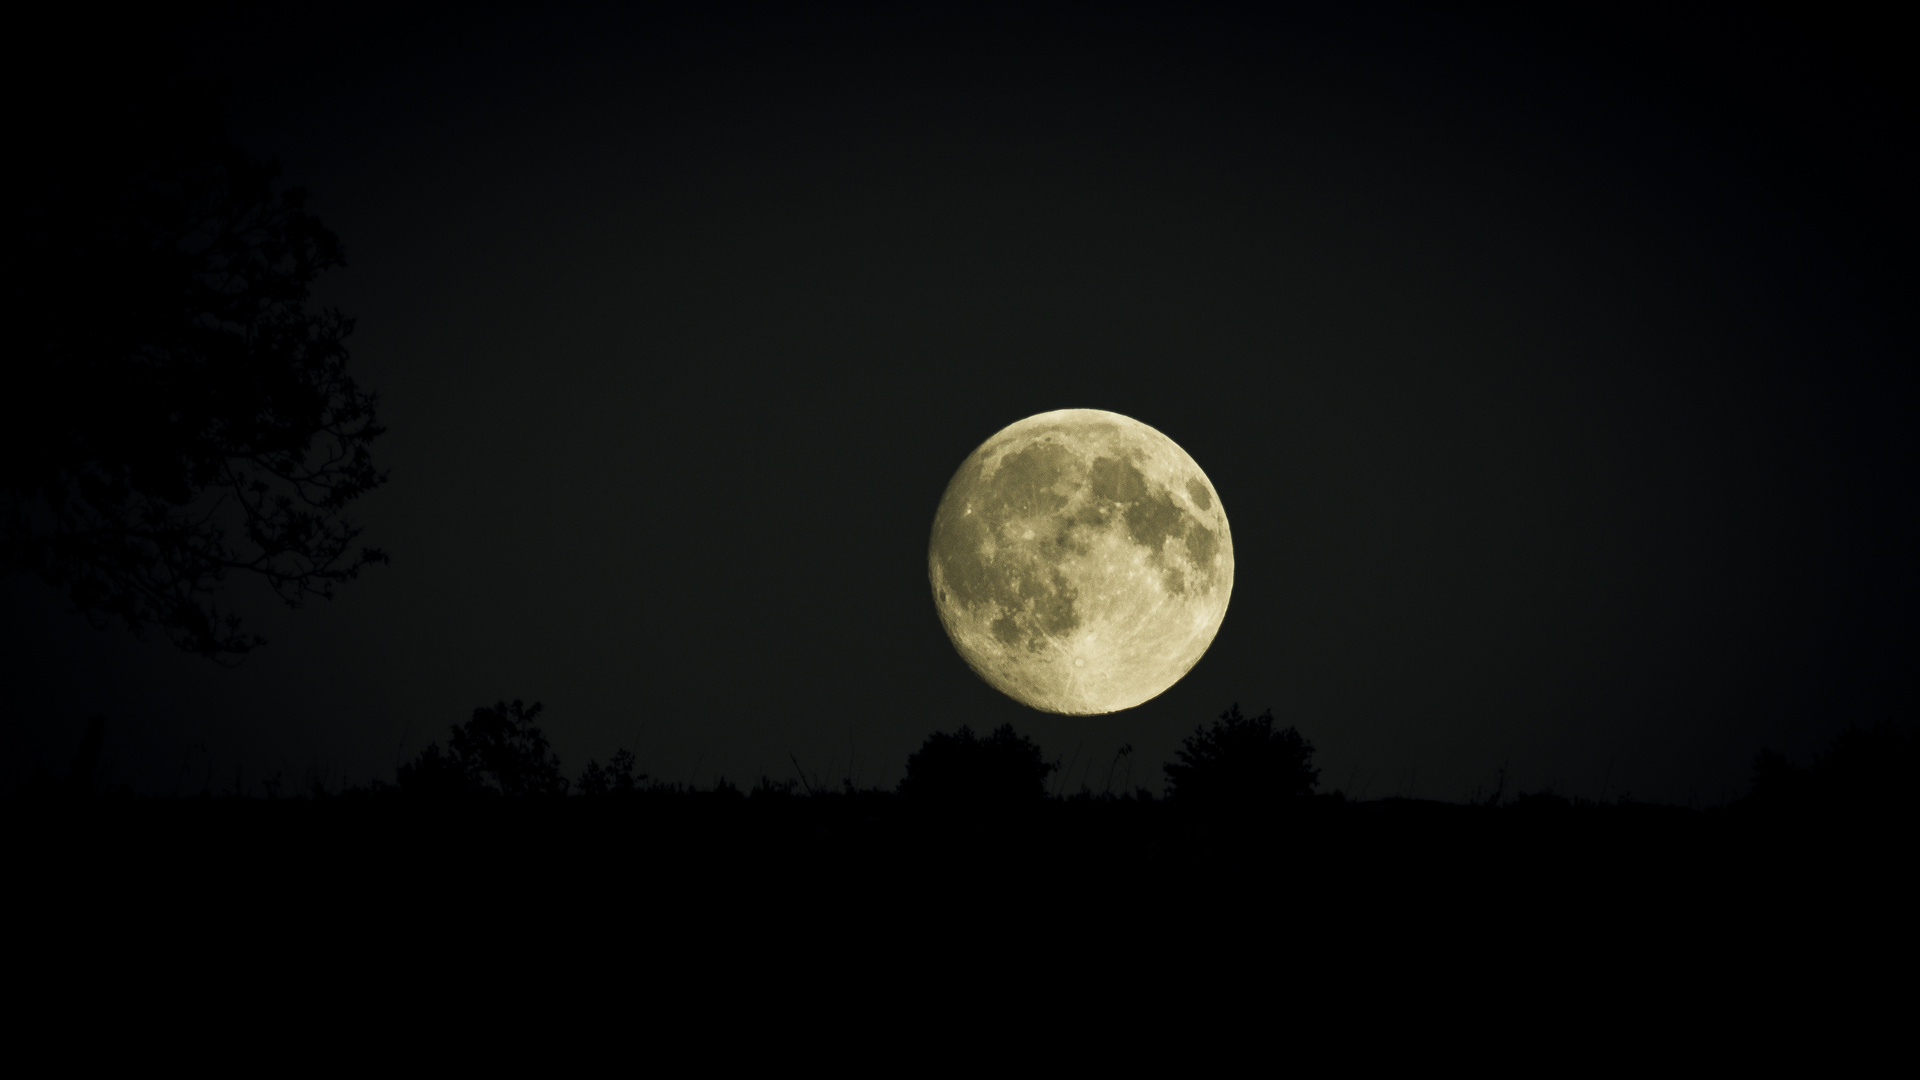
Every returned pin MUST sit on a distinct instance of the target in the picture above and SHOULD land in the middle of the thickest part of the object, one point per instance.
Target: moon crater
(1080, 561)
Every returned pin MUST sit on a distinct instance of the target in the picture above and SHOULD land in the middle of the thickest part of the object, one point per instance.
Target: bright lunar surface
(1081, 561)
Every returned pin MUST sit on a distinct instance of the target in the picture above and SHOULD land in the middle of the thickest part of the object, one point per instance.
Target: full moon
(1080, 561)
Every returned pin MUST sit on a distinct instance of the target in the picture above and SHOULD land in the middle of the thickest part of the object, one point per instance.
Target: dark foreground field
(670, 871)
(483, 858)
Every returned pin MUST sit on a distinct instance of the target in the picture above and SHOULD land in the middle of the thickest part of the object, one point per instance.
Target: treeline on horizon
(1240, 765)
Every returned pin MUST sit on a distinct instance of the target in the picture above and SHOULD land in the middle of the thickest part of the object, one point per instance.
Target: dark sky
(1555, 378)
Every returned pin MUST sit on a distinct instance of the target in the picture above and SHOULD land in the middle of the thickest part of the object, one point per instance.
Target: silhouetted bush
(1868, 771)
(87, 762)
(1776, 781)
(1001, 768)
(618, 777)
(500, 751)
(1243, 763)
(1539, 803)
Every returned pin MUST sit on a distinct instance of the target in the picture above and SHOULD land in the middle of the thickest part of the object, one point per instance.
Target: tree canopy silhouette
(1002, 768)
(1242, 762)
(499, 751)
(184, 413)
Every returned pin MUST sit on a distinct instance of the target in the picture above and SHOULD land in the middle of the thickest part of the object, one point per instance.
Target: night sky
(1555, 378)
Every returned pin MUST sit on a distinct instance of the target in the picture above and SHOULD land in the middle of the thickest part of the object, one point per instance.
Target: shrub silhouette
(1002, 768)
(1539, 803)
(1871, 770)
(617, 777)
(500, 751)
(1242, 763)
(1776, 781)
(1866, 770)
(87, 762)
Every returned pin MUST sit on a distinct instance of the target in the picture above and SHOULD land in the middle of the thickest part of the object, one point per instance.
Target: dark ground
(674, 869)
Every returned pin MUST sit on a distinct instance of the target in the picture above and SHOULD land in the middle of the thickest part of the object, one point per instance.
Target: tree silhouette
(1242, 763)
(1002, 768)
(188, 415)
(499, 751)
